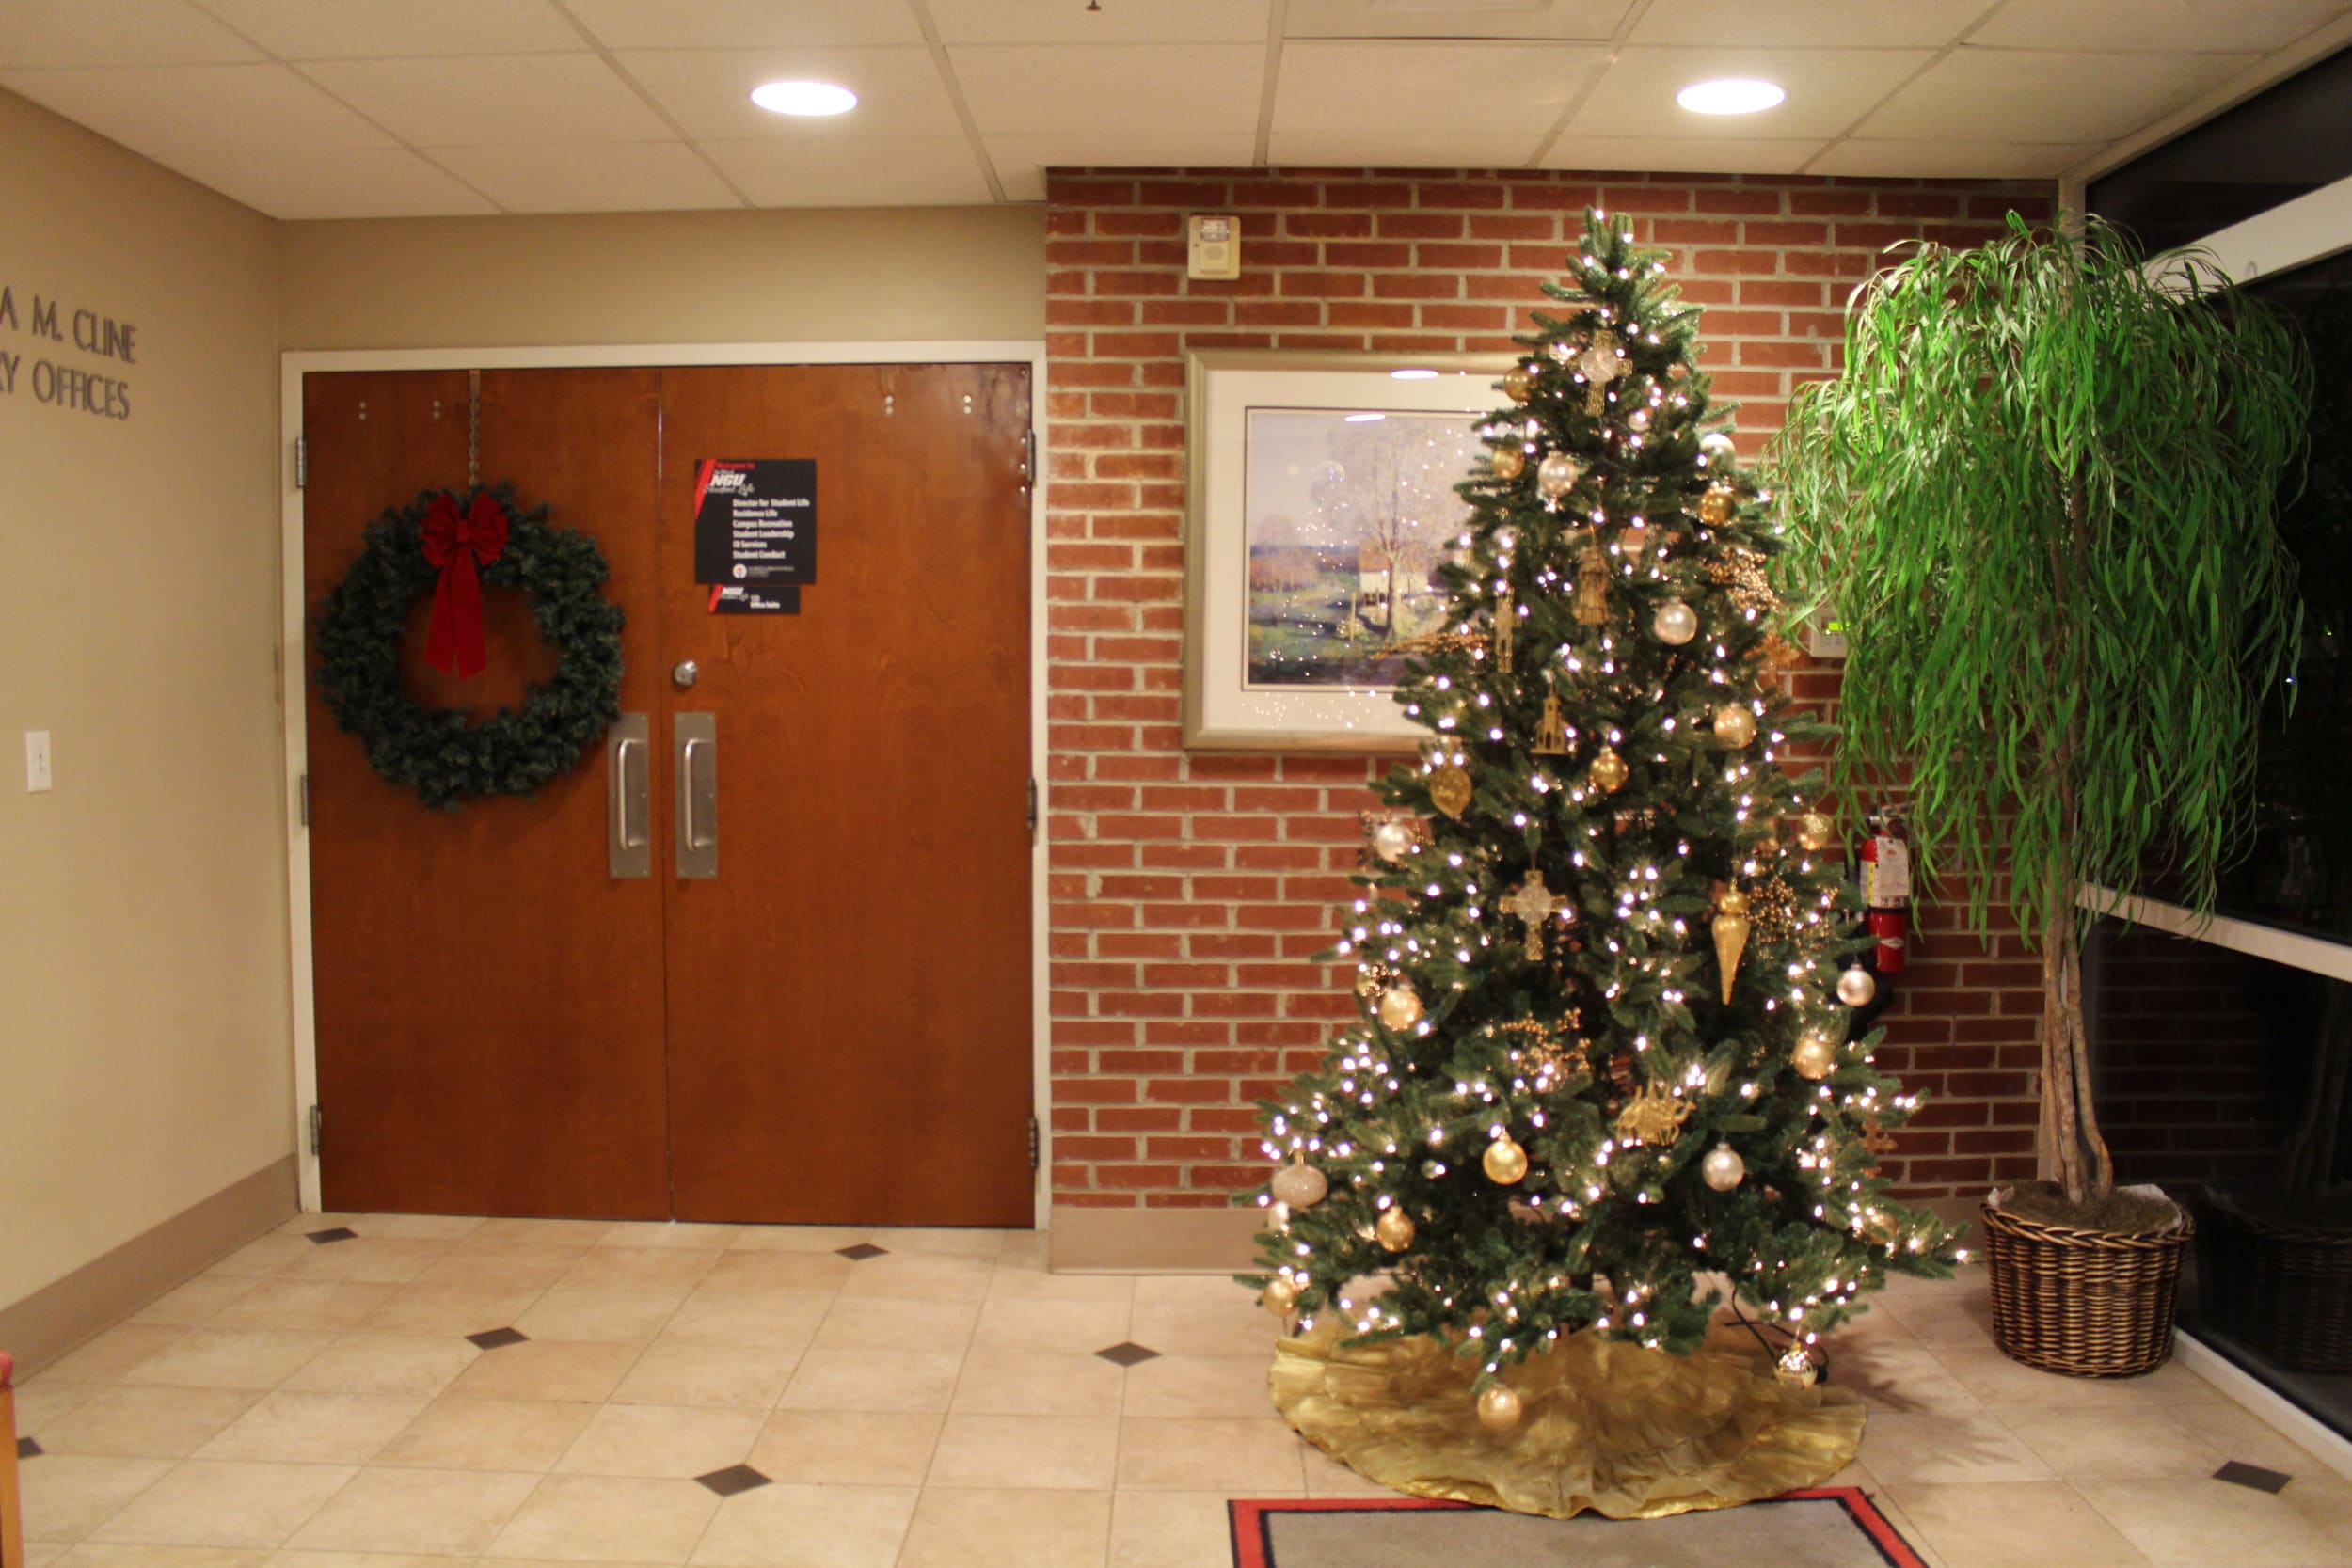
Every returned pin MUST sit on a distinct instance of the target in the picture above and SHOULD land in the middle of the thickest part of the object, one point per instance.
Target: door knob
(686, 674)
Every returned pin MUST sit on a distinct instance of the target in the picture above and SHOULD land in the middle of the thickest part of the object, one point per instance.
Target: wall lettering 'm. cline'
(64, 386)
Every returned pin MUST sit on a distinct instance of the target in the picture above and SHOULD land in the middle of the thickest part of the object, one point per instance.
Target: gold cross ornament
(1533, 904)
(1600, 365)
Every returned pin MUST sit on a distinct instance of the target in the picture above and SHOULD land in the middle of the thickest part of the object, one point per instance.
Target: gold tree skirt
(1630, 1432)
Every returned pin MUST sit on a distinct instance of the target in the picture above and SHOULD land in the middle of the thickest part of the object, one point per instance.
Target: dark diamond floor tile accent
(340, 1233)
(1129, 1354)
(2252, 1475)
(498, 1339)
(27, 1448)
(861, 1251)
(734, 1479)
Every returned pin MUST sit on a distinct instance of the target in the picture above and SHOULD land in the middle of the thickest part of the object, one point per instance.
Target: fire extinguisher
(1886, 889)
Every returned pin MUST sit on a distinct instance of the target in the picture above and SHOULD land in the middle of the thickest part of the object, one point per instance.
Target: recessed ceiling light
(804, 98)
(1414, 375)
(1734, 95)
(1364, 418)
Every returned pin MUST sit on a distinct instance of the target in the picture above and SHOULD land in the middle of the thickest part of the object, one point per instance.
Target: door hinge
(318, 1130)
(302, 461)
(1035, 1144)
(1033, 810)
(1028, 462)
(305, 788)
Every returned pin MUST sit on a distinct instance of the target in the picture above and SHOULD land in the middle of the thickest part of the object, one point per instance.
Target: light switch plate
(1214, 246)
(36, 761)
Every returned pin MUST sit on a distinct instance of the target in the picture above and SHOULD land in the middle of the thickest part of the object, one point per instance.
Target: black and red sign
(756, 521)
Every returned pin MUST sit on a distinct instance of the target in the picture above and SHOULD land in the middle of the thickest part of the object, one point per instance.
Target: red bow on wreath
(460, 545)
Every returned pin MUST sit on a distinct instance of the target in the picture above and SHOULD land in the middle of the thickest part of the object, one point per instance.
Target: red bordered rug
(1829, 1527)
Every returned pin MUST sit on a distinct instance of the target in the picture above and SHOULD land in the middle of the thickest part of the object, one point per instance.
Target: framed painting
(1321, 504)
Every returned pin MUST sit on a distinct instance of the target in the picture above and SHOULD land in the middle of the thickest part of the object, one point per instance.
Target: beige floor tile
(40, 1402)
(548, 1370)
(774, 1321)
(1947, 1449)
(678, 1269)
(788, 1525)
(1071, 1327)
(373, 1259)
(414, 1228)
(669, 1233)
(1019, 1454)
(873, 1380)
(68, 1495)
(2240, 1434)
(616, 1317)
(1958, 1319)
(456, 1433)
(1029, 1250)
(1893, 1513)
(2014, 1524)
(233, 1358)
(264, 1257)
(288, 1558)
(2115, 1445)
(45, 1554)
(778, 1272)
(317, 1429)
(500, 1266)
(450, 1309)
(1030, 1382)
(880, 1323)
(1327, 1478)
(1900, 1376)
(109, 1358)
(2005, 1385)
(661, 1440)
(101, 1554)
(608, 1519)
(1236, 1326)
(1026, 1282)
(287, 1300)
(135, 1421)
(856, 1448)
(443, 1513)
(1192, 1289)
(2193, 1524)
(1170, 1530)
(798, 1237)
(555, 1233)
(956, 1239)
(227, 1503)
(921, 1276)
(195, 1303)
(1008, 1530)
(1184, 1454)
(707, 1375)
(1200, 1386)
(413, 1364)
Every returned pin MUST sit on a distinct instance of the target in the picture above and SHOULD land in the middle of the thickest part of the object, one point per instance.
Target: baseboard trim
(1152, 1240)
(101, 1294)
(2257, 1397)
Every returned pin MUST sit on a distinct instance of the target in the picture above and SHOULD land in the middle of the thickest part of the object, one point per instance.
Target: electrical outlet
(36, 761)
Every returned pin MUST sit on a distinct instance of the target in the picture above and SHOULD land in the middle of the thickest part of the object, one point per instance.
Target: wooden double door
(835, 1025)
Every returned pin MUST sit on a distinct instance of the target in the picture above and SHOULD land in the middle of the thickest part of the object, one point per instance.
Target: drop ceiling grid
(421, 106)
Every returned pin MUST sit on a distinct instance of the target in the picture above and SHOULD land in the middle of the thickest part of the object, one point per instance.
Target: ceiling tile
(1588, 21)
(876, 171)
(1828, 90)
(1021, 160)
(1405, 149)
(2006, 95)
(307, 30)
(1430, 88)
(1122, 22)
(507, 100)
(612, 177)
(747, 23)
(168, 111)
(1815, 23)
(292, 182)
(708, 92)
(2223, 26)
(47, 34)
(1030, 91)
(1952, 160)
(1683, 154)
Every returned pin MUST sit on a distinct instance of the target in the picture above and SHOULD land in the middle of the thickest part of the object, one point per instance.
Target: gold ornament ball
(1716, 505)
(1450, 790)
(1278, 1296)
(1796, 1368)
(1735, 724)
(1814, 1054)
(1722, 1169)
(1507, 462)
(1880, 1226)
(1717, 447)
(1855, 987)
(1555, 476)
(1391, 841)
(1815, 831)
(1506, 1161)
(1394, 1228)
(1301, 1186)
(1674, 624)
(1400, 1007)
(1498, 1408)
(1519, 383)
(1608, 773)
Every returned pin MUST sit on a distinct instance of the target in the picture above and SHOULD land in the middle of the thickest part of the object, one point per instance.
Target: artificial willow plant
(2041, 498)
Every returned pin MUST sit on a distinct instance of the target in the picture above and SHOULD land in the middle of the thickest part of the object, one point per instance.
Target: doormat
(1829, 1527)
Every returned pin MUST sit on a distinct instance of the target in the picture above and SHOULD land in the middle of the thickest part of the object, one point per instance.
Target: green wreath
(441, 753)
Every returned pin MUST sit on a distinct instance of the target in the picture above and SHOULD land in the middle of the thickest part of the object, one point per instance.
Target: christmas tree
(1602, 947)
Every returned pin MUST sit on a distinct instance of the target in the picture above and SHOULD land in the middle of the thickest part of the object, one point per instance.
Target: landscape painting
(1348, 514)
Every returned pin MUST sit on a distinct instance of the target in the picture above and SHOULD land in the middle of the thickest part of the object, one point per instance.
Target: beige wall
(143, 1034)
(922, 274)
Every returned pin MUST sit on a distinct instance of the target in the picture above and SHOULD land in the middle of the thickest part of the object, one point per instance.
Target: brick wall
(1189, 890)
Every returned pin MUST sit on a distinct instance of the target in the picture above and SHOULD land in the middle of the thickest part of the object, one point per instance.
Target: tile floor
(760, 1398)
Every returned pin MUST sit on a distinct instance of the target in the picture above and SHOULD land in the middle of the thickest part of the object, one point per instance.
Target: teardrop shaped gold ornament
(1730, 927)
(1450, 790)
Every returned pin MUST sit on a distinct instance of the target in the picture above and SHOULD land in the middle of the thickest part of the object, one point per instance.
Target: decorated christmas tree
(1603, 1070)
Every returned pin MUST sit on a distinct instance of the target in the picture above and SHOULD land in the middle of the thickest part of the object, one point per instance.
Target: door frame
(294, 364)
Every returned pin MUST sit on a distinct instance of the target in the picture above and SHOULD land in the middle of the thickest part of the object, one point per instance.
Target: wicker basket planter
(2085, 1303)
(2281, 1286)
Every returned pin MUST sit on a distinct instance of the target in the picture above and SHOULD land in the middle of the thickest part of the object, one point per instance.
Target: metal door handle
(622, 838)
(697, 794)
(693, 839)
(629, 853)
